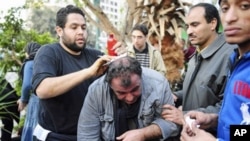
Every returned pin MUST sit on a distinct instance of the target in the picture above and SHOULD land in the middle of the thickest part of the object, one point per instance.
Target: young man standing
(62, 74)
(146, 54)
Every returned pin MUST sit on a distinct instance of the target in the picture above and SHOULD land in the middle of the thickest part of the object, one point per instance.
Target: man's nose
(129, 97)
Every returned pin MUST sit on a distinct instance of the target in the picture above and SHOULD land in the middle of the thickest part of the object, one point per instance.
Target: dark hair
(123, 68)
(61, 16)
(32, 49)
(211, 12)
(141, 28)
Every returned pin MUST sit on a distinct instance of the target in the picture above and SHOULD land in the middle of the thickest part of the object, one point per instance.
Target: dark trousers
(59, 137)
(8, 116)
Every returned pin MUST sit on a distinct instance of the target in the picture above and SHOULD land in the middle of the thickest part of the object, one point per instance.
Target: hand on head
(98, 68)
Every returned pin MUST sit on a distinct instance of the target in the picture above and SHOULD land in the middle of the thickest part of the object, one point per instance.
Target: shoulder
(151, 47)
(227, 50)
(51, 46)
(99, 88)
(92, 51)
(28, 64)
(48, 48)
(229, 47)
(221, 41)
(152, 75)
(218, 48)
(155, 51)
(91, 54)
(130, 48)
(99, 82)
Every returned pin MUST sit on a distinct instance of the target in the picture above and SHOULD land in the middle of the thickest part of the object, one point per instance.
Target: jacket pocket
(107, 127)
(147, 116)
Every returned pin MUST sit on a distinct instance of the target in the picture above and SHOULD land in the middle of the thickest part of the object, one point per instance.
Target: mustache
(191, 36)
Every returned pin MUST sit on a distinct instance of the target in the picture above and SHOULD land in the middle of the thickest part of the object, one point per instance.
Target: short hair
(61, 16)
(123, 68)
(211, 12)
(141, 28)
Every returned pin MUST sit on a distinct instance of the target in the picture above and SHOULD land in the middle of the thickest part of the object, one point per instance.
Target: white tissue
(190, 121)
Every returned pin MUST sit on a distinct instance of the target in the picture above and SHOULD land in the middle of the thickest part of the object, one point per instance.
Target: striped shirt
(142, 57)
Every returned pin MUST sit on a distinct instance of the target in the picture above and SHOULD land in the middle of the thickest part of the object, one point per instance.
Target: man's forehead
(194, 16)
(197, 10)
(75, 18)
(137, 32)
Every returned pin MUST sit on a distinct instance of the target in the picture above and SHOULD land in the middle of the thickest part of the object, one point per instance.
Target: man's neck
(69, 50)
(209, 42)
(142, 48)
(244, 48)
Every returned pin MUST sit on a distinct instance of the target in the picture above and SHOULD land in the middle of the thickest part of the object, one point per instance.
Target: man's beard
(74, 47)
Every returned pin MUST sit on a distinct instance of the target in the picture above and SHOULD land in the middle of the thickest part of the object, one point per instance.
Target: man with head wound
(125, 104)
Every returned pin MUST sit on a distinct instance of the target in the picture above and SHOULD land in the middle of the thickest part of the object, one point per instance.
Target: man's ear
(214, 23)
(59, 31)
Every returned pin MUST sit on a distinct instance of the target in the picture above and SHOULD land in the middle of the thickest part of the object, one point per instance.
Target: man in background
(146, 54)
(207, 70)
(235, 16)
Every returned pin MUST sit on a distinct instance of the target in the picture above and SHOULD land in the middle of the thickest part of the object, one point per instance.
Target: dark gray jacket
(204, 90)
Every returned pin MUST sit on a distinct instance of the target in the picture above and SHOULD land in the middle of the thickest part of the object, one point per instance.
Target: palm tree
(164, 19)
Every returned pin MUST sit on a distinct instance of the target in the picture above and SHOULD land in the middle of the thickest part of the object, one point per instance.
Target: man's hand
(195, 134)
(21, 105)
(120, 48)
(171, 113)
(175, 97)
(152, 131)
(132, 135)
(98, 68)
(205, 120)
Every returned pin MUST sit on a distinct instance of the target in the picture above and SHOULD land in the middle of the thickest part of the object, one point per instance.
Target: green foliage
(4, 105)
(46, 17)
(4, 102)
(10, 30)
(14, 38)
